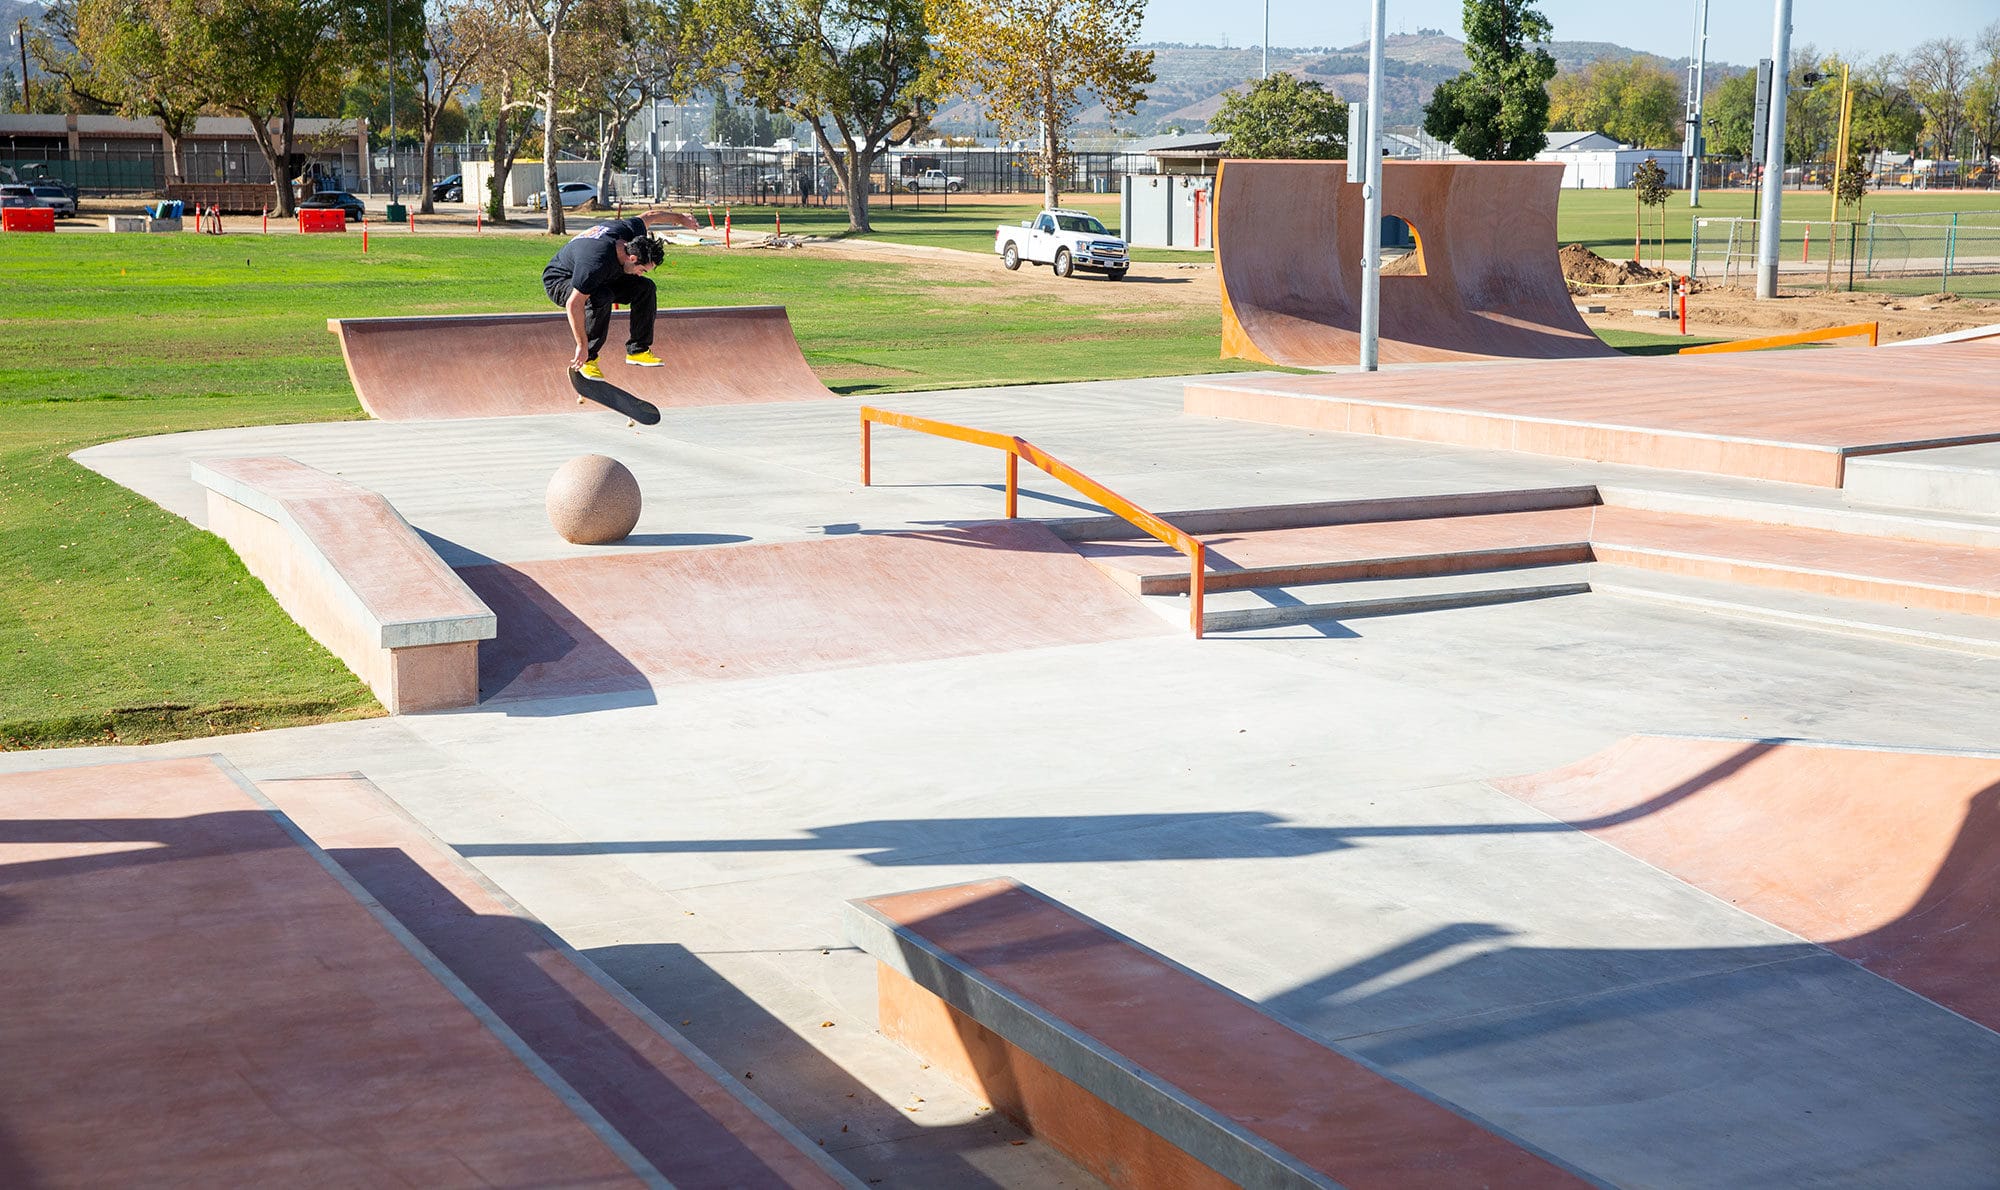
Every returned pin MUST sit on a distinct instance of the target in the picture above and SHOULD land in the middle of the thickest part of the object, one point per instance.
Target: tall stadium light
(389, 31)
(1692, 149)
(1774, 152)
(1371, 193)
(1267, 38)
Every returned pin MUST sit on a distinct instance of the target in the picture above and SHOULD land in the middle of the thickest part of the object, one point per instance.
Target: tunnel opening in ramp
(1288, 248)
(1889, 858)
(516, 365)
(630, 622)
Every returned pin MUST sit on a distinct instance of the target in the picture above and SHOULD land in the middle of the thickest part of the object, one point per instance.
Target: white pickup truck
(934, 179)
(1065, 241)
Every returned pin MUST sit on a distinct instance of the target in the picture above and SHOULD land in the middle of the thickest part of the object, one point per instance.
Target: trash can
(396, 213)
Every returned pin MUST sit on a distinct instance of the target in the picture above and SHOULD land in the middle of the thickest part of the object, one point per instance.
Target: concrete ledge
(351, 571)
(126, 223)
(1145, 1072)
(1331, 512)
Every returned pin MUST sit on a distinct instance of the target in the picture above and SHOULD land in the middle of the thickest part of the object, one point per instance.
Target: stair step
(1303, 603)
(1946, 479)
(1979, 635)
(1354, 550)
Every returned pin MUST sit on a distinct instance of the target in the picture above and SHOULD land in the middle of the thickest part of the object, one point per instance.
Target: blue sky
(1739, 31)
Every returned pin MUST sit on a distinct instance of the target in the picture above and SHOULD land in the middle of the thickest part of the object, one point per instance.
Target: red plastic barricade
(331, 219)
(27, 218)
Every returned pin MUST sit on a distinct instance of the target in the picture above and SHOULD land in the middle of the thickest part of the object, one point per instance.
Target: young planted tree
(1499, 109)
(1280, 116)
(851, 70)
(1031, 63)
(1649, 189)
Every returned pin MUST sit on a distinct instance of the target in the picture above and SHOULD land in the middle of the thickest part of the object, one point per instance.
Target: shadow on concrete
(535, 630)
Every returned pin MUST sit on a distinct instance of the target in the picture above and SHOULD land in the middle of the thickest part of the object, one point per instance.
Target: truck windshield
(1082, 223)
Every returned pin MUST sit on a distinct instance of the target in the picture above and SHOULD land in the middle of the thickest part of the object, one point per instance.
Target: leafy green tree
(10, 90)
(1635, 101)
(1282, 116)
(850, 70)
(1728, 115)
(1649, 189)
(1032, 62)
(148, 58)
(1499, 109)
(1853, 179)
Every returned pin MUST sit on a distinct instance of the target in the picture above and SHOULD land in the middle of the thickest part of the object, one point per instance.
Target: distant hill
(1193, 79)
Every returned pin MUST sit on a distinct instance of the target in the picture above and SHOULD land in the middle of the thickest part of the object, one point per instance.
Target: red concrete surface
(631, 621)
(694, 1130)
(513, 365)
(1889, 858)
(191, 998)
(1794, 416)
(1356, 1126)
(1288, 250)
(1361, 549)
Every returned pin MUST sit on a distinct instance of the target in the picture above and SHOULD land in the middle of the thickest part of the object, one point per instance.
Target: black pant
(634, 292)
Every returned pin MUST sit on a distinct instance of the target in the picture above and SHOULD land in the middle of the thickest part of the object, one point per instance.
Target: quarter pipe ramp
(513, 365)
(1483, 281)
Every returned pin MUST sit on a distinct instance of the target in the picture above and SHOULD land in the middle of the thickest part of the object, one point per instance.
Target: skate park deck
(511, 365)
(1794, 416)
(1307, 815)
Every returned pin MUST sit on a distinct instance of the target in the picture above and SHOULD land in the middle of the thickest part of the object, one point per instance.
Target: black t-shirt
(590, 261)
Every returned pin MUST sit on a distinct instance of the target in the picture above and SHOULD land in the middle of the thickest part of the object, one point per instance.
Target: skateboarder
(608, 264)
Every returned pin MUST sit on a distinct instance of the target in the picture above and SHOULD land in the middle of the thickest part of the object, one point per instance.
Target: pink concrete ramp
(516, 365)
(637, 620)
(1483, 282)
(1889, 858)
(191, 997)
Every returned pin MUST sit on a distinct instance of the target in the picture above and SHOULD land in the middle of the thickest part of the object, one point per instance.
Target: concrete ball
(593, 500)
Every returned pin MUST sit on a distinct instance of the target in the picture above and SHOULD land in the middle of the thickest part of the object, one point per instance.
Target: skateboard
(611, 396)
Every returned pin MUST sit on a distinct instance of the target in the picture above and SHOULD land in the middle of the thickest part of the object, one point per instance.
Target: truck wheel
(912, 187)
(954, 188)
(1063, 266)
(1010, 257)
(1115, 274)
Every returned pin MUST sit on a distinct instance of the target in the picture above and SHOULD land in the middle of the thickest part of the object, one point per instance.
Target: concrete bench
(355, 576)
(1145, 1072)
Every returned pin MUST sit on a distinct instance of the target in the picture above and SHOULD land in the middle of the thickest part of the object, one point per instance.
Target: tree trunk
(425, 206)
(557, 225)
(286, 194)
(173, 163)
(860, 163)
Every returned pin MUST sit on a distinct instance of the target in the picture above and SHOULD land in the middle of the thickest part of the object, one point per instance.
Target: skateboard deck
(611, 396)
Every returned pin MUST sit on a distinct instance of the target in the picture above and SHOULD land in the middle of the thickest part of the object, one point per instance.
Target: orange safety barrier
(1018, 449)
(28, 219)
(1871, 329)
(322, 219)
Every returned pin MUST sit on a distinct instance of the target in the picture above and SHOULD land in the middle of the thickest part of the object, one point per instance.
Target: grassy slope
(119, 621)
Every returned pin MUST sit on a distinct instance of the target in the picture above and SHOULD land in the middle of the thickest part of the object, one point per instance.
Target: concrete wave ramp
(516, 365)
(1483, 281)
(1889, 858)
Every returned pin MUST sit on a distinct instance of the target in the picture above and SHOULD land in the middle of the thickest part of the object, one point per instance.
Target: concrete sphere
(593, 500)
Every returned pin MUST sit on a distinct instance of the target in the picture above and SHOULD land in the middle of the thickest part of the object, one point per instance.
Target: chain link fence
(1916, 253)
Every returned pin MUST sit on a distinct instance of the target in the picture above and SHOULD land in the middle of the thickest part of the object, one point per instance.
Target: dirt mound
(1589, 273)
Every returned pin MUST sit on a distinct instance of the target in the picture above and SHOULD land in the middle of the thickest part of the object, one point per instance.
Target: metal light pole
(1692, 152)
(1371, 193)
(389, 31)
(1774, 151)
(1267, 40)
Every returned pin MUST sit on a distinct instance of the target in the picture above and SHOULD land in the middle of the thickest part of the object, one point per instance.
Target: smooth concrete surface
(1953, 479)
(1299, 813)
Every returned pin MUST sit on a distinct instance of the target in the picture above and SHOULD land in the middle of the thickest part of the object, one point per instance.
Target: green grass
(120, 622)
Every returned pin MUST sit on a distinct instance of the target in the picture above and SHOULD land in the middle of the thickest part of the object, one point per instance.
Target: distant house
(1594, 161)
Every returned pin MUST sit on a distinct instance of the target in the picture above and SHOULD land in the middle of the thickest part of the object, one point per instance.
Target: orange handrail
(1018, 449)
(1871, 329)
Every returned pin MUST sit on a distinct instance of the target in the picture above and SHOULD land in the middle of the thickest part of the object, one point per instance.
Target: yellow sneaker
(644, 359)
(591, 370)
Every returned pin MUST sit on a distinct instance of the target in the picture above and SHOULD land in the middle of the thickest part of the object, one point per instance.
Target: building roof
(1204, 144)
(1572, 141)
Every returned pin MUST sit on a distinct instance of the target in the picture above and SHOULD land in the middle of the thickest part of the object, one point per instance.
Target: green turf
(120, 622)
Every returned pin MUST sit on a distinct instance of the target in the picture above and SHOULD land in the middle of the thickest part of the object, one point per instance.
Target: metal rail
(1871, 329)
(1017, 449)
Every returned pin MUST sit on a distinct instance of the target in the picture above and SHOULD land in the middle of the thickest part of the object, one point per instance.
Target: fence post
(1694, 247)
(1871, 244)
(1950, 249)
(1853, 233)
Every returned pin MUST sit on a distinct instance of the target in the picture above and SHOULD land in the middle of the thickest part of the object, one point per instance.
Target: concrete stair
(1277, 605)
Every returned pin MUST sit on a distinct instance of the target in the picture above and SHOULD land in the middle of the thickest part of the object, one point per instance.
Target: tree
(1031, 62)
(1982, 98)
(653, 52)
(270, 59)
(144, 59)
(1728, 114)
(1937, 74)
(505, 62)
(1635, 101)
(1884, 115)
(1281, 116)
(850, 70)
(1499, 109)
(1853, 178)
(1649, 189)
(10, 90)
(450, 54)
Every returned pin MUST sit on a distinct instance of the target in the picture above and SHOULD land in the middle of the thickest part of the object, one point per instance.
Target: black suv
(336, 199)
(451, 189)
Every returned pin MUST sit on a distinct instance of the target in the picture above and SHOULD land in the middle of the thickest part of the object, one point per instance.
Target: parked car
(17, 196)
(451, 189)
(51, 195)
(336, 199)
(575, 194)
